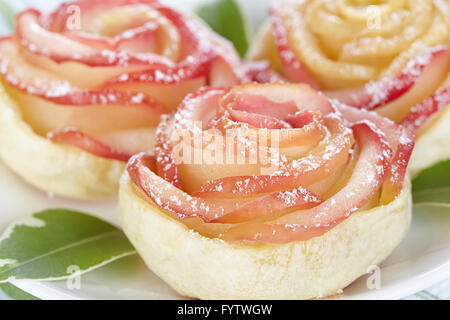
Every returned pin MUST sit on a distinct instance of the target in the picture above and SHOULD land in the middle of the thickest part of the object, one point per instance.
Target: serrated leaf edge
(30, 221)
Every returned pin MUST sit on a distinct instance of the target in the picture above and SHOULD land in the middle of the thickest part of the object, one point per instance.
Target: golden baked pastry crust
(201, 267)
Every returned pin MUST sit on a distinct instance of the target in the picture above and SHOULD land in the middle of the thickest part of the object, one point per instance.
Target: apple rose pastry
(267, 191)
(84, 87)
(388, 56)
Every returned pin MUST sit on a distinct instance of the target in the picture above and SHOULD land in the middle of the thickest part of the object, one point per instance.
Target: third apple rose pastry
(83, 88)
(388, 56)
(267, 191)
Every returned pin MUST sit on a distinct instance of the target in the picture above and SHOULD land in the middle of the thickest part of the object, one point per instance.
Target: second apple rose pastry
(83, 88)
(389, 56)
(267, 191)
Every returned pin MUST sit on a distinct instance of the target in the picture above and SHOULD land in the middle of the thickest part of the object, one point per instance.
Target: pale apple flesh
(293, 68)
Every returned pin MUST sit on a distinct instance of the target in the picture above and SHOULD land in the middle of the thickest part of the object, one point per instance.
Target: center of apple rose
(150, 30)
(331, 160)
(247, 133)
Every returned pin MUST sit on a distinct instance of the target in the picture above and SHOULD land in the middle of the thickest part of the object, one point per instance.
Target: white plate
(422, 260)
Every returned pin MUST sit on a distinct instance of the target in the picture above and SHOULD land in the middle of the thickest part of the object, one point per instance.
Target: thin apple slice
(173, 199)
(226, 68)
(258, 120)
(423, 111)
(262, 72)
(35, 38)
(87, 143)
(398, 167)
(146, 39)
(292, 66)
(44, 116)
(303, 127)
(369, 174)
(170, 94)
(291, 97)
(392, 97)
(119, 145)
(130, 141)
(80, 75)
(130, 27)
(275, 203)
(49, 103)
(25, 76)
(322, 161)
(139, 40)
(170, 132)
(260, 105)
(401, 141)
(109, 33)
(57, 20)
(166, 165)
(303, 131)
(199, 106)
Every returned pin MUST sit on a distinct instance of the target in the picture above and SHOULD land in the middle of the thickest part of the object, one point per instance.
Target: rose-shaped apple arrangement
(390, 56)
(267, 191)
(86, 85)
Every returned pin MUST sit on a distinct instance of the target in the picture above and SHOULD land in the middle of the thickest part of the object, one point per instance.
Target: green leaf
(432, 186)
(7, 13)
(15, 293)
(52, 244)
(226, 18)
